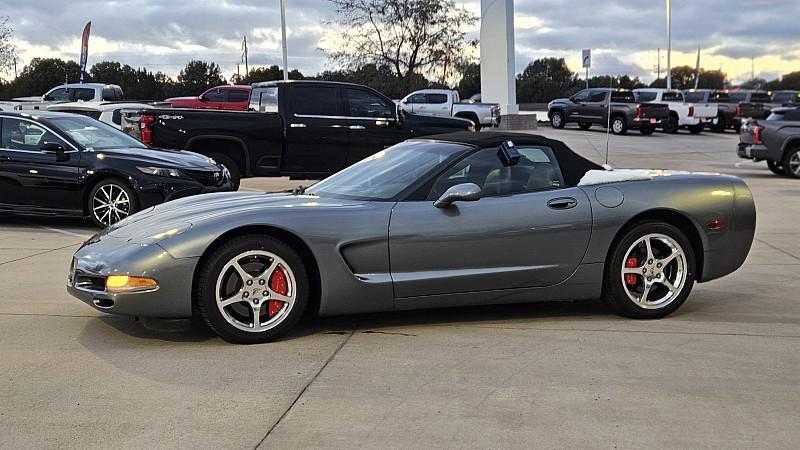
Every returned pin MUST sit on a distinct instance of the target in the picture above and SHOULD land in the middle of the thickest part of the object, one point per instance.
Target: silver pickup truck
(775, 139)
(447, 103)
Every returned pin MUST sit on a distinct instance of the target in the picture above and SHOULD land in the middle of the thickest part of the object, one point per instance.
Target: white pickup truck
(681, 114)
(447, 103)
(73, 92)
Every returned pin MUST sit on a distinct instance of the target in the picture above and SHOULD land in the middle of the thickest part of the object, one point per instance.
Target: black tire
(618, 125)
(695, 129)
(614, 292)
(557, 119)
(791, 162)
(647, 131)
(232, 166)
(584, 125)
(671, 125)
(776, 168)
(205, 288)
(114, 185)
(720, 126)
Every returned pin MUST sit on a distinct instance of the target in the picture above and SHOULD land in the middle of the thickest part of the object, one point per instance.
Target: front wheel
(791, 162)
(776, 168)
(619, 126)
(557, 120)
(252, 290)
(650, 271)
(110, 201)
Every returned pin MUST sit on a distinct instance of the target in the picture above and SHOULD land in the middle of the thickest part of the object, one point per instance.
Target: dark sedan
(58, 164)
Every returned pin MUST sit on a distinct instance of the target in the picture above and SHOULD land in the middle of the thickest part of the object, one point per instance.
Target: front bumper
(156, 190)
(97, 259)
(647, 122)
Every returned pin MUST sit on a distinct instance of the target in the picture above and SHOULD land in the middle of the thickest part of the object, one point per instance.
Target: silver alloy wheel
(556, 120)
(616, 126)
(660, 272)
(243, 291)
(110, 204)
(794, 163)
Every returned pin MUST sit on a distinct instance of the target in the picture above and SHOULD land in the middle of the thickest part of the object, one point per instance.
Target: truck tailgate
(658, 111)
(705, 111)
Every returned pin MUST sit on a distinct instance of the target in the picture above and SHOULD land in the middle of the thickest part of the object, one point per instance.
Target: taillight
(757, 134)
(638, 111)
(691, 111)
(144, 129)
(738, 110)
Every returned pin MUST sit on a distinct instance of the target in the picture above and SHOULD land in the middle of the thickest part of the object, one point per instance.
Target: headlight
(161, 171)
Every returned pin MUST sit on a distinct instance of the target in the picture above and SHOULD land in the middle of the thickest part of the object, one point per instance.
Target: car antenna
(608, 115)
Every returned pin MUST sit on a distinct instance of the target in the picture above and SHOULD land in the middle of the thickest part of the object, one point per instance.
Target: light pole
(669, 46)
(283, 35)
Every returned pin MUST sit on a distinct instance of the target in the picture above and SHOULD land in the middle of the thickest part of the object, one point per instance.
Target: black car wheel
(776, 168)
(233, 168)
(647, 131)
(695, 129)
(618, 125)
(557, 119)
(110, 201)
(650, 271)
(585, 125)
(671, 125)
(252, 289)
(791, 162)
(720, 126)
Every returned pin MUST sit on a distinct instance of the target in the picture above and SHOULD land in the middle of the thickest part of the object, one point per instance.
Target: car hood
(200, 209)
(177, 159)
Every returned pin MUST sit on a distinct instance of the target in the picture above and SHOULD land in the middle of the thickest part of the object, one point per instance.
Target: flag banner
(85, 48)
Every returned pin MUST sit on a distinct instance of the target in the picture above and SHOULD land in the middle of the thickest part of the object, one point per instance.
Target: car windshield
(94, 135)
(387, 173)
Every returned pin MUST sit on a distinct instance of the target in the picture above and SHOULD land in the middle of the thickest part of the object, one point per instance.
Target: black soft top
(573, 166)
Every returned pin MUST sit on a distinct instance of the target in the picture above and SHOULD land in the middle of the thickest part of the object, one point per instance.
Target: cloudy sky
(624, 34)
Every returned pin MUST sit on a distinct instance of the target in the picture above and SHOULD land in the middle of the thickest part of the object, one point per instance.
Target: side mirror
(57, 149)
(464, 192)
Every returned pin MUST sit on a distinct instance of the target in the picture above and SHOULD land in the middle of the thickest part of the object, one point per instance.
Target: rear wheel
(584, 125)
(695, 129)
(231, 165)
(791, 162)
(252, 290)
(776, 168)
(650, 272)
(110, 201)
(618, 125)
(557, 119)
(671, 125)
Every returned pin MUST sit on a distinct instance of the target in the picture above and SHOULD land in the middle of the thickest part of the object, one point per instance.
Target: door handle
(5, 158)
(357, 127)
(297, 125)
(562, 203)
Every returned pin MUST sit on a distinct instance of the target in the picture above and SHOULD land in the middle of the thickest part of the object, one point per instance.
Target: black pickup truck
(591, 106)
(300, 129)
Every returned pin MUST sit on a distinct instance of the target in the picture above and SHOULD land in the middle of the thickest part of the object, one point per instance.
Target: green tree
(41, 74)
(198, 76)
(380, 78)
(624, 82)
(545, 79)
(270, 73)
(8, 53)
(470, 83)
(407, 36)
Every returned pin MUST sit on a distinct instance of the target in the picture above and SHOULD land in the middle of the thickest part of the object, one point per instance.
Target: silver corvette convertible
(457, 219)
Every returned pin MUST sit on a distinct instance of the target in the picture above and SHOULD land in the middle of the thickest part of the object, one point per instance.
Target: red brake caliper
(278, 284)
(631, 263)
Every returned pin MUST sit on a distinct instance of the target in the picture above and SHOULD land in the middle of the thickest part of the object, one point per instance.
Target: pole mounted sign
(587, 62)
(85, 48)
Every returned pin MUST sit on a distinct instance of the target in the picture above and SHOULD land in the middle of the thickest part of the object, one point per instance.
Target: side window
(672, 97)
(83, 95)
(720, 97)
(316, 100)
(760, 97)
(437, 99)
(537, 170)
(597, 96)
(264, 99)
(623, 97)
(238, 96)
(738, 97)
(646, 96)
(417, 98)
(58, 95)
(366, 104)
(582, 96)
(215, 95)
(23, 135)
(109, 95)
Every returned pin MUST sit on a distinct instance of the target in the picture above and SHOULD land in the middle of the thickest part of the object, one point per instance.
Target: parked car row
(617, 108)
(775, 140)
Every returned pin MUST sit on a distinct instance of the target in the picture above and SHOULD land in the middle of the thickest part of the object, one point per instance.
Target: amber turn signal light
(125, 283)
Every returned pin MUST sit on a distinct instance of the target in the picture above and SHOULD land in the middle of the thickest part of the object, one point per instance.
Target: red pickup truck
(231, 98)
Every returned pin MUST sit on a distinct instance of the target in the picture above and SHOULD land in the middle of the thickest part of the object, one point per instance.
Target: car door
(316, 133)
(214, 99)
(438, 105)
(414, 103)
(372, 124)
(527, 230)
(595, 109)
(237, 99)
(575, 112)
(32, 177)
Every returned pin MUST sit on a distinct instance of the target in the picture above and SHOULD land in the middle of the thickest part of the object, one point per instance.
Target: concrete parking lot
(724, 371)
